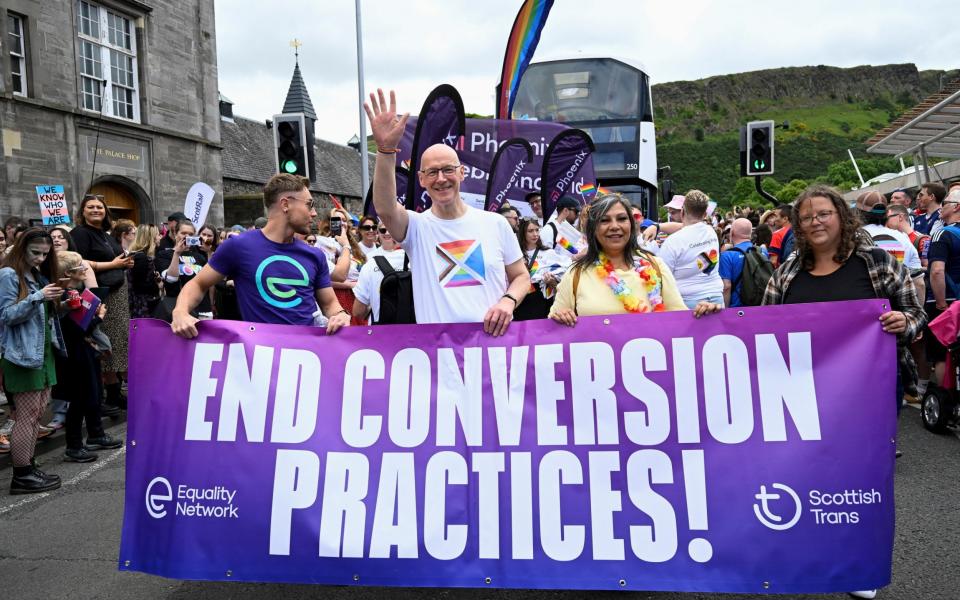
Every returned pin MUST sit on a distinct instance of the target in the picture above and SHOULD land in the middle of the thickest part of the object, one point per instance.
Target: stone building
(114, 97)
(249, 160)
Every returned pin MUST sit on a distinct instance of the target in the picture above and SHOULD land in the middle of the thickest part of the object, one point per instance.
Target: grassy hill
(820, 112)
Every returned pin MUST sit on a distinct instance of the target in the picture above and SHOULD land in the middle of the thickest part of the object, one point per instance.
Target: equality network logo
(462, 263)
(158, 494)
(280, 291)
(770, 504)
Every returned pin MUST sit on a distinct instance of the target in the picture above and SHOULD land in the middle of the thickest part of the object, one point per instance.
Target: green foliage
(790, 191)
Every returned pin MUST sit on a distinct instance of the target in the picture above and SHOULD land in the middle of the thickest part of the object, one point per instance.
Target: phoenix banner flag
(505, 172)
(631, 452)
(441, 121)
(566, 156)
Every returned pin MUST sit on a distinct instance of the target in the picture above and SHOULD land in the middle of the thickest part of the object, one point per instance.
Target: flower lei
(647, 273)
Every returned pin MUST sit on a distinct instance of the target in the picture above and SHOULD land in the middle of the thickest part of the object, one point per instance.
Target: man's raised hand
(387, 127)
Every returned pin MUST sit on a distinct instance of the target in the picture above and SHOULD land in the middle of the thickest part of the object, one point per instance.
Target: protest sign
(197, 204)
(740, 452)
(53, 205)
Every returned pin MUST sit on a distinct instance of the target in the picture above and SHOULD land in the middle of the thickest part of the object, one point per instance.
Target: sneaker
(4, 444)
(3, 399)
(7, 428)
(104, 442)
(44, 432)
(869, 594)
(79, 455)
(35, 482)
(56, 423)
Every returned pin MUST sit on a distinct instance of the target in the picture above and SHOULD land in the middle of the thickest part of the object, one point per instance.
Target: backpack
(396, 293)
(754, 276)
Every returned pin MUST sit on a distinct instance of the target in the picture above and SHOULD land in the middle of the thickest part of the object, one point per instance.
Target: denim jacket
(23, 321)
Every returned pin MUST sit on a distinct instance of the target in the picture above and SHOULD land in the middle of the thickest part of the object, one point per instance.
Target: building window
(18, 63)
(108, 62)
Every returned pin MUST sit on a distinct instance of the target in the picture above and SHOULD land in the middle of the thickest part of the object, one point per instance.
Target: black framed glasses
(368, 227)
(383, 230)
(447, 171)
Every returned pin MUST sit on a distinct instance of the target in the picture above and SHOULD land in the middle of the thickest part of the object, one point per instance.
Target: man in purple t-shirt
(278, 279)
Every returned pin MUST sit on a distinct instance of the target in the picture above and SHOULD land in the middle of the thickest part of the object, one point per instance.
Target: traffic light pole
(364, 162)
(758, 179)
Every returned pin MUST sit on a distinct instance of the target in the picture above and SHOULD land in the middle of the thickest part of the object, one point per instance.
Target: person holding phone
(27, 300)
(278, 278)
(182, 263)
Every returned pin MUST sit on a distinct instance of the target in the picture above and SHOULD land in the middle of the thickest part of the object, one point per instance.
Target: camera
(193, 240)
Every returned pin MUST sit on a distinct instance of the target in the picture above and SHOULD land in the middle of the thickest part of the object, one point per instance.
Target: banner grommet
(623, 583)
(487, 580)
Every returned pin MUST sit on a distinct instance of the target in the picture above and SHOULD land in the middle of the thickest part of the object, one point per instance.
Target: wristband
(515, 303)
(343, 311)
(387, 150)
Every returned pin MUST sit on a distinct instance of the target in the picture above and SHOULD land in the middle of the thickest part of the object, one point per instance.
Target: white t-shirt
(693, 256)
(900, 247)
(459, 265)
(368, 251)
(367, 289)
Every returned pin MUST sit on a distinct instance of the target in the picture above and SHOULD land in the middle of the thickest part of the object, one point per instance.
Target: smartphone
(336, 226)
(193, 240)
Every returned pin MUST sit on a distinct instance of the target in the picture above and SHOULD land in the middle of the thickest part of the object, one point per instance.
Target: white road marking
(86, 473)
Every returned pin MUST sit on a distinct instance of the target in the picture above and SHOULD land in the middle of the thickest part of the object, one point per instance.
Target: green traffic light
(289, 166)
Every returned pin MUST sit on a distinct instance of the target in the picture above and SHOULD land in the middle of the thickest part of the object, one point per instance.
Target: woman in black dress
(109, 264)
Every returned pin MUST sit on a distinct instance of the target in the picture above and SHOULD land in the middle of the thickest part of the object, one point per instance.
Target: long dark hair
(851, 235)
(18, 261)
(598, 208)
(107, 224)
(216, 237)
(522, 235)
(71, 247)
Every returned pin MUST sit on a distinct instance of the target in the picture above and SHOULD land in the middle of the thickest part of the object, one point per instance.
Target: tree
(790, 191)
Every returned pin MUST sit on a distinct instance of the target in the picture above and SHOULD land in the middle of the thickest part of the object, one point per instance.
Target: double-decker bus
(609, 99)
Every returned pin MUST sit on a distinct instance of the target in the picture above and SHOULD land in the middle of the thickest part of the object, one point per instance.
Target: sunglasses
(383, 230)
(368, 228)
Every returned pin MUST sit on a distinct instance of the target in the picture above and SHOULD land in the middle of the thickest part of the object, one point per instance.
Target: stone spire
(298, 99)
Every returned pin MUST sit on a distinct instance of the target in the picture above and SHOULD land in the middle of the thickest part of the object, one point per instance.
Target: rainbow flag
(567, 245)
(587, 190)
(523, 41)
(603, 191)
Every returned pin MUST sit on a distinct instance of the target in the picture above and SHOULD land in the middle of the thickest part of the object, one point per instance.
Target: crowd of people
(450, 264)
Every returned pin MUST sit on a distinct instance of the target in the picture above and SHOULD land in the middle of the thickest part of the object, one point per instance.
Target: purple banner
(508, 164)
(741, 452)
(479, 146)
(565, 158)
(441, 121)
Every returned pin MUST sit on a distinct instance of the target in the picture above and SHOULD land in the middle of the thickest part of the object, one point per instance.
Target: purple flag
(505, 172)
(441, 121)
(740, 452)
(479, 146)
(566, 156)
(401, 176)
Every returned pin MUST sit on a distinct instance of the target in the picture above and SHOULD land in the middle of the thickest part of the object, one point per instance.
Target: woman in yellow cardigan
(614, 275)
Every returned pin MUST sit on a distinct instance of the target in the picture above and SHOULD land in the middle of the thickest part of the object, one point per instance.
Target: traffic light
(290, 143)
(759, 149)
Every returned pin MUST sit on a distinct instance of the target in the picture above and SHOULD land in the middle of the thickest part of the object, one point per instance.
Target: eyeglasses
(822, 217)
(383, 230)
(311, 240)
(368, 227)
(448, 171)
(309, 203)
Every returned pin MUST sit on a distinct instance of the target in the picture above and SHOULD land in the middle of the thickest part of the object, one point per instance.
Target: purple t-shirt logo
(268, 286)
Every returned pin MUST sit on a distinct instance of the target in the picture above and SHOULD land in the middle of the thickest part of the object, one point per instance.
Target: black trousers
(81, 410)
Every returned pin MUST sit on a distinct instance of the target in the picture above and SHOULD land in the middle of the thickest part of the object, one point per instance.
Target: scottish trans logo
(779, 509)
(278, 291)
(462, 263)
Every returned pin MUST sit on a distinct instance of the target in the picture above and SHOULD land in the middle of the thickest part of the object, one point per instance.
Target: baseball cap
(568, 202)
(676, 202)
(177, 216)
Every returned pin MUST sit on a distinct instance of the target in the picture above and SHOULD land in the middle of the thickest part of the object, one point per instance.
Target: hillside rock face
(859, 83)
(721, 102)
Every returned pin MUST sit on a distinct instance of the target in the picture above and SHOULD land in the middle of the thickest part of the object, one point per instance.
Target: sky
(416, 45)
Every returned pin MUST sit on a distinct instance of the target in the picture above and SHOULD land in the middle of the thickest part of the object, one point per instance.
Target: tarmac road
(64, 544)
